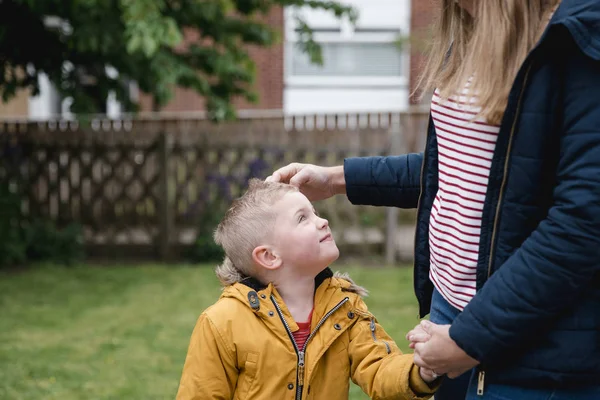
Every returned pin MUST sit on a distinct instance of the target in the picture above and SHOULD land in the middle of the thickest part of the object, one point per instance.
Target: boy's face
(302, 239)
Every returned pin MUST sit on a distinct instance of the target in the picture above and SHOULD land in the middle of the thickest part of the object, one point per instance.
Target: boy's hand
(427, 375)
(440, 353)
(417, 335)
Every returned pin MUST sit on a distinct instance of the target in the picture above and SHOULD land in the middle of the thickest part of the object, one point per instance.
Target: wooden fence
(141, 187)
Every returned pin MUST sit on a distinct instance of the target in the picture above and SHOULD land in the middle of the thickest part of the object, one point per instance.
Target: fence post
(391, 214)
(164, 210)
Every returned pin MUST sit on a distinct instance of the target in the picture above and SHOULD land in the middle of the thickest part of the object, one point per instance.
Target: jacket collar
(257, 296)
(256, 285)
(582, 19)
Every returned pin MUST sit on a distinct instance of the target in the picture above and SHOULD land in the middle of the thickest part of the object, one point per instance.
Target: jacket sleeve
(392, 181)
(378, 366)
(210, 369)
(548, 274)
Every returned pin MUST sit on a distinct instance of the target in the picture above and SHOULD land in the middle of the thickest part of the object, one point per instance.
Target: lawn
(122, 332)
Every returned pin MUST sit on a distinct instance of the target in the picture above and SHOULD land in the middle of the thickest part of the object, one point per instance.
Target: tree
(89, 48)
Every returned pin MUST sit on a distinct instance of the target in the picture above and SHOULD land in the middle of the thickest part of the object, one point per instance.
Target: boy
(285, 326)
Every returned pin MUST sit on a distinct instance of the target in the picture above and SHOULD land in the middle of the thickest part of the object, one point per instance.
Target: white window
(352, 56)
(363, 69)
(350, 59)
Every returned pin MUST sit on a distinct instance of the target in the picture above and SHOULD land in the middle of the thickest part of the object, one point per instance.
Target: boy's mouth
(326, 238)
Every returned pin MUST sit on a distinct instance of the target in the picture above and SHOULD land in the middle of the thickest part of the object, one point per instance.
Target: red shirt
(303, 332)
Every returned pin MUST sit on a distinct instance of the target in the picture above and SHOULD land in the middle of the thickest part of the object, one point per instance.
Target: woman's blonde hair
(488, 48)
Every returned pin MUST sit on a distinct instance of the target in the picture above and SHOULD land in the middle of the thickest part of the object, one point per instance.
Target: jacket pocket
(247, 377)
(338, 353)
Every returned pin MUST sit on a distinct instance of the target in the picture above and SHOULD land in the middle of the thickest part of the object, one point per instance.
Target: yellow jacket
(241, 348)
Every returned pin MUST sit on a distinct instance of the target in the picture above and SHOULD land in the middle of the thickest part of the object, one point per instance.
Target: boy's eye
(301, 218)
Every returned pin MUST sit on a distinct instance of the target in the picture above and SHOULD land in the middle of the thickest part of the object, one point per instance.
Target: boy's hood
(582, 19)
(249, 289)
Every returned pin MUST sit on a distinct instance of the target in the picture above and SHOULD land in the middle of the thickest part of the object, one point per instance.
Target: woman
(507, 256)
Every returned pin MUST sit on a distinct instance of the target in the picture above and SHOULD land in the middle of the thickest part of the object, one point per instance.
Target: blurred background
(126, 129)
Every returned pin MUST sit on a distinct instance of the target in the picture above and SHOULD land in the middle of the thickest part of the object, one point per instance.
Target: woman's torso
(522, 183)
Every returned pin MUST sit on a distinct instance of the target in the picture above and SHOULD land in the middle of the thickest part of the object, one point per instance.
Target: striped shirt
(303, 332)
(465, 150)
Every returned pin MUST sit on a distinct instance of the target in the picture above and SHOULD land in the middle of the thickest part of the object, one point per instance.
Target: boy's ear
(265, 257)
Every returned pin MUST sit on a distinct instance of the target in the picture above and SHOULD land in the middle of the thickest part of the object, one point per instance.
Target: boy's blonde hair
(245, 226)
(489, 48)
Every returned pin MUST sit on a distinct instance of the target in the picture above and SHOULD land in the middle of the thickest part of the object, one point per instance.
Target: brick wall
(18, 106)
(268, 84)
(421, 17)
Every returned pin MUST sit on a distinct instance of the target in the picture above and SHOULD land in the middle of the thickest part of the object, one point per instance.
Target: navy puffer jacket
(535, 320)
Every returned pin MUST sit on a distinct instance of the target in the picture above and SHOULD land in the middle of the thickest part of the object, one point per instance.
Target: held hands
(419, 335)
(436, 351)
(315, 182)
(427, 375)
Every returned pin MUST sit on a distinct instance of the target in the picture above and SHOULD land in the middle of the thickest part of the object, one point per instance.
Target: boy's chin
(334, 256)
(323, 264)
(337, 255)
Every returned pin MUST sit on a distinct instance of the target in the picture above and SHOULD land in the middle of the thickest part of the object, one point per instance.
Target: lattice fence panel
(148, 183)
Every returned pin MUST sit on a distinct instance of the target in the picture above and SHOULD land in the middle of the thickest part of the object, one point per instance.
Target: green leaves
(307, 43)
(146, 28)
(143, 41)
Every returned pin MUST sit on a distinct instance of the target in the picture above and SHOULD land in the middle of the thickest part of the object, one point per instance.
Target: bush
(46, 242)
(205, 249)
(12, 241)
(37, 241)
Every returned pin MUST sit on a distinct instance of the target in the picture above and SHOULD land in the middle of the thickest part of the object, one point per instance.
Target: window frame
(356, 35)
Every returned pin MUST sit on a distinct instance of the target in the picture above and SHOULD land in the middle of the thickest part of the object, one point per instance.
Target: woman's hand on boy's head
(284, 174)
(314, 181)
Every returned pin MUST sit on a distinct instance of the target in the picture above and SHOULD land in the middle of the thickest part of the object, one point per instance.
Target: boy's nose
(322, 222)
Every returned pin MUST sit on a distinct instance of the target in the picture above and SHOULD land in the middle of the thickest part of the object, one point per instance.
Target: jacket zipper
(503, 185)
(480, 383)
(481, 376)
(300, 353)
(372, 327)
(421, 192)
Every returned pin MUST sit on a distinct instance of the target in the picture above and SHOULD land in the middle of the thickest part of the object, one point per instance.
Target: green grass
(122, 332)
